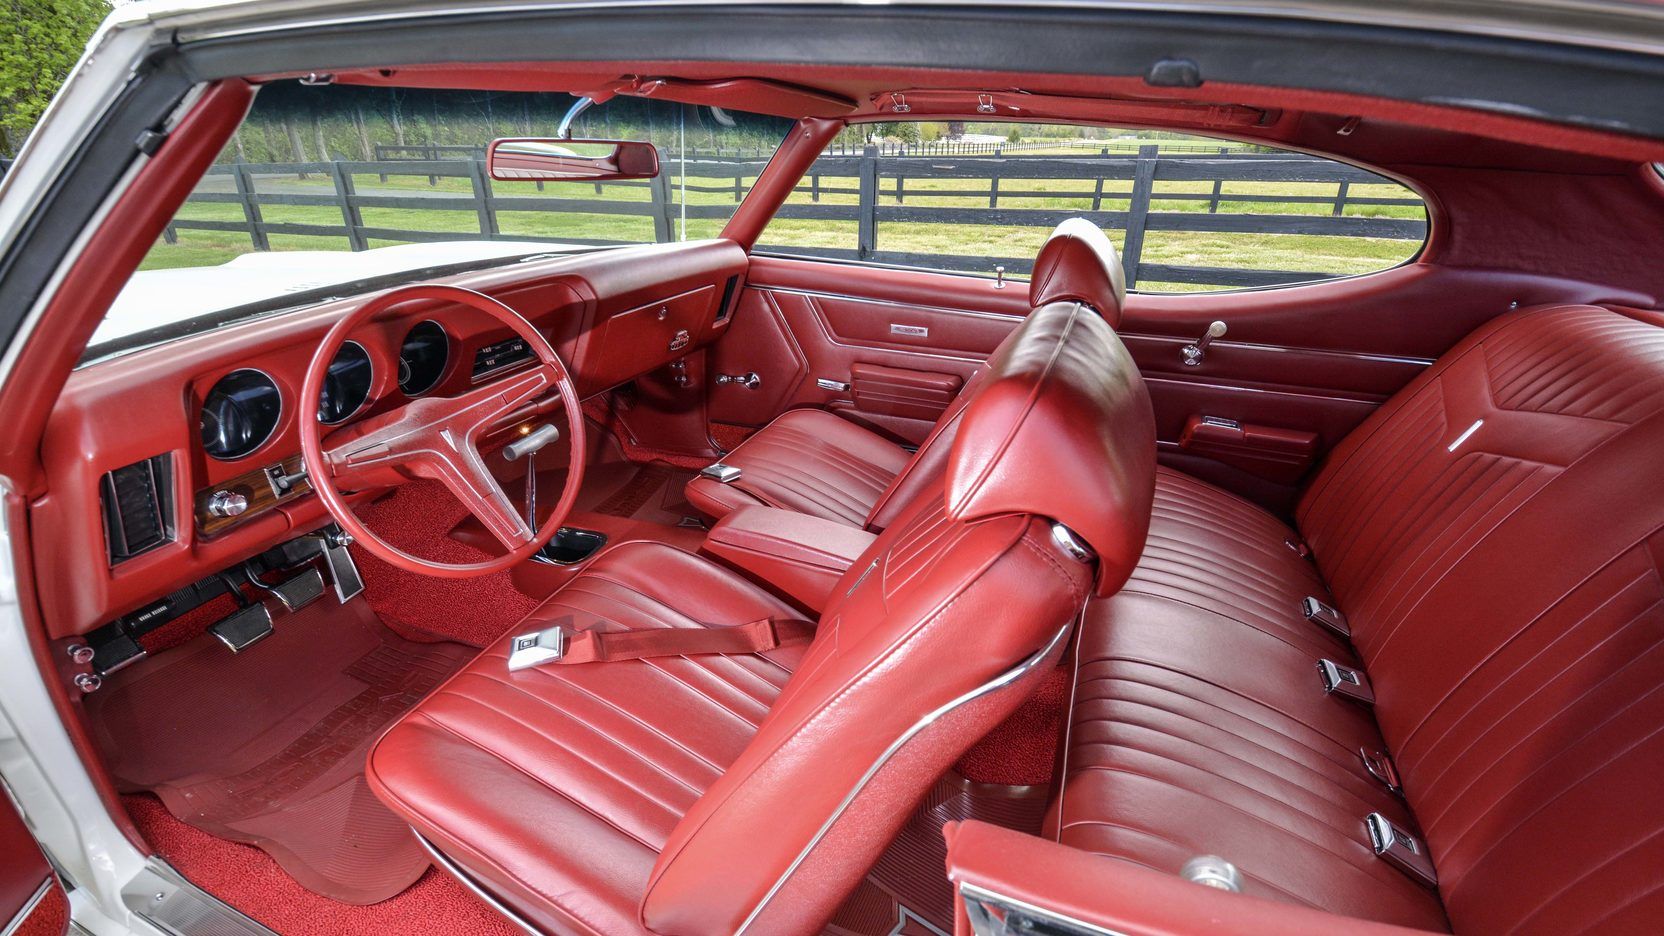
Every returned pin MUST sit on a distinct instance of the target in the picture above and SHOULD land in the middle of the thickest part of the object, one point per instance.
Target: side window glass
(1187, 213)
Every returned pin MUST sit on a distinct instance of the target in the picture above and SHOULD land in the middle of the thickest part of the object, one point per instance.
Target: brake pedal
(301, 590)
(243, 628)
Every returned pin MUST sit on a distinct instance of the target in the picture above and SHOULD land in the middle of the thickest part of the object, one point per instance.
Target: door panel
(894, 345)
(1307, 361)
(31, 901)
(1298, 368)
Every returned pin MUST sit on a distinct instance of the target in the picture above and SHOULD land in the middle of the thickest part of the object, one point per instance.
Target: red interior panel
(24, 872)
(571, 299)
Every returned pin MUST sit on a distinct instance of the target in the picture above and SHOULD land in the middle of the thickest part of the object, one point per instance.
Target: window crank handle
(1195, 351)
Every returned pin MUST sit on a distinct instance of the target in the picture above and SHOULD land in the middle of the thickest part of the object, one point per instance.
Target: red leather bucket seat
(816, 463)
(716, 795)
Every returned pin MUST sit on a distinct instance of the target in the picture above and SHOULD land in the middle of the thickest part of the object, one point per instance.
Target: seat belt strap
(558, 645)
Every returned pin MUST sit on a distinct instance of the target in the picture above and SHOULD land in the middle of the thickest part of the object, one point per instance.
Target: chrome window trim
(998, 682)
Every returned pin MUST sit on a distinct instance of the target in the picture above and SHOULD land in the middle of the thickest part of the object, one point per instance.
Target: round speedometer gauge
(239, 414)
(346, 384)
(422, 359)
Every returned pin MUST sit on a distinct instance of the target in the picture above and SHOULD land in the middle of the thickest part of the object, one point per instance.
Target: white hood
(163, 297)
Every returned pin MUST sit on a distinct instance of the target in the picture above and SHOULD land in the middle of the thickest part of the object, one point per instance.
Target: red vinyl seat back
(935, 635)
(1495, 535)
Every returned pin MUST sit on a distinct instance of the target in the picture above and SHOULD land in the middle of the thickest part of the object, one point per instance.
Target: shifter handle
(531, 441)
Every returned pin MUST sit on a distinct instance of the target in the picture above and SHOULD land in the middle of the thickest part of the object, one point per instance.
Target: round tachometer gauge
(422, 359)
(346, 384)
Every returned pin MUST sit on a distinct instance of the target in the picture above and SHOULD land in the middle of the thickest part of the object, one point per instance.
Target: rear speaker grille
(138, 507)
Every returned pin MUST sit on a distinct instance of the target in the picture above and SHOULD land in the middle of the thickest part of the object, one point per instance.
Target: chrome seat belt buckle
(1401, 850)
(1326, 615)
(536, 648)
(1345, 681)
(720, 473)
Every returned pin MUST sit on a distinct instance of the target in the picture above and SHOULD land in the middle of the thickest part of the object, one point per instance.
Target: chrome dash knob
(227, 504)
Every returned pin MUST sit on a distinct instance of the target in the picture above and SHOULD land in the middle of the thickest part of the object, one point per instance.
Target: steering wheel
(438, 438)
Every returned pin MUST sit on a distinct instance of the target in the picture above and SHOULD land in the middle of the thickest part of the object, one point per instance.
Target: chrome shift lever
(527, 447)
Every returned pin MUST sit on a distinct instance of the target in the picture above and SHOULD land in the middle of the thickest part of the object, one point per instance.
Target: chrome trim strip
(947, 310)
(975, 896)
(454, 870)
(165, 899)
(1286, 349)
(998, 682)
(29, 908)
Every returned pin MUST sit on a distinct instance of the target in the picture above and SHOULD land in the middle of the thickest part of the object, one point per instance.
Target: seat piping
(1004, 679)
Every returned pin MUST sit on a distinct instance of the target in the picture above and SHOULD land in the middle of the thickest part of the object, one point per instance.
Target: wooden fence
(882, 201)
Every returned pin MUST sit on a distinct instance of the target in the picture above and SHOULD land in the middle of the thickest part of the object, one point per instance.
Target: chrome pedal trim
(454, 870)
(163, 898)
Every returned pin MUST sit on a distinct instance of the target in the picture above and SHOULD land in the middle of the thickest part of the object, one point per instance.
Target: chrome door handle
(749, 380)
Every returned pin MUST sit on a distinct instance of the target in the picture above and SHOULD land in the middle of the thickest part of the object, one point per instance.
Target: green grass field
(1304, 253)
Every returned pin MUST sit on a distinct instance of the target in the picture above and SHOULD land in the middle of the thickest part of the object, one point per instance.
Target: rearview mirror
(525, 159)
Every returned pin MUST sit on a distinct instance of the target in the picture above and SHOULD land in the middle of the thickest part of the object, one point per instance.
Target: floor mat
(248, 879)
(907, 891)
(653, 494)
(267, 747)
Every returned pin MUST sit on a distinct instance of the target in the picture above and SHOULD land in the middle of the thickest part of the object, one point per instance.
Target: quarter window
(1188, 213)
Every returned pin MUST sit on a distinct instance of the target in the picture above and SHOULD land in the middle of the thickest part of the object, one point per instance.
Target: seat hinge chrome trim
(454, 870)
(998, 682)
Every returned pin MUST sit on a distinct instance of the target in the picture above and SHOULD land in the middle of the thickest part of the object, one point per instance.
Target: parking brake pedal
(296, 593)
(244, 629)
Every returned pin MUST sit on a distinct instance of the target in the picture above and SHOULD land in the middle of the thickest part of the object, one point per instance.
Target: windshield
(343, 186)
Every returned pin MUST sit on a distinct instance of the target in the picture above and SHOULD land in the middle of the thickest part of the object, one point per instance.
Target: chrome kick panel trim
(29, 908)
(172, 904)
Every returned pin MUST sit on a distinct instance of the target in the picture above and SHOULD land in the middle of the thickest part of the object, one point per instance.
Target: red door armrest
(800, 556)
(1281, 455)
(1000, 868)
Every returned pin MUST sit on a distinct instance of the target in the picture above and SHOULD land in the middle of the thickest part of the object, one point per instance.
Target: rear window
(1188, 213)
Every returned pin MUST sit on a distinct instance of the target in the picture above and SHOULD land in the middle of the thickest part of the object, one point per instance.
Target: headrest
(1061, 427)
(1079, 264)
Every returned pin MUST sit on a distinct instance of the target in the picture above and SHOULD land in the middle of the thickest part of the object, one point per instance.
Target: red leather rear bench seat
(1493, 536)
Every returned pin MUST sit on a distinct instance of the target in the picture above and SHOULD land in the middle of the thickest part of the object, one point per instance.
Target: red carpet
(1022, 750)
(418, 518)
(247, 878)
(267, 747)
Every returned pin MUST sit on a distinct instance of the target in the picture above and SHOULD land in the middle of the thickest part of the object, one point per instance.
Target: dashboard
(171, 463)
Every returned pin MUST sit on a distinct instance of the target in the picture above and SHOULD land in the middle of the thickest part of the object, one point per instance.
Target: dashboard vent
(726, 306)
(138, 507)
